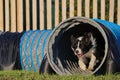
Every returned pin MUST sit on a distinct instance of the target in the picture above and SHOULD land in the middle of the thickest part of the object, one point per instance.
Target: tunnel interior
(62, 46)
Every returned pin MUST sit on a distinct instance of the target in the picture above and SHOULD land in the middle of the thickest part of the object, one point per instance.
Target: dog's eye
(84, 51)
(74, 46)
(80, 45)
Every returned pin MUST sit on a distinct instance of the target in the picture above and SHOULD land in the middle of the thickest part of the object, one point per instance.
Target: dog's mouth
(79, 54)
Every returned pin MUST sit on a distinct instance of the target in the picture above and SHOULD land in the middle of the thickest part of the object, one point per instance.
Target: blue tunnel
(33, 48)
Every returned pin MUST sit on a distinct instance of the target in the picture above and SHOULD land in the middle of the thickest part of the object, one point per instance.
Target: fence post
(95, 10)
(27, 14)
(34, 14)
(87, 8)
(13, 15)
(57, 12)
(49, 14)
(1, 16)
(41, 14)
(71, 8)
(79, 7)
(103, 9)
(118, 13)
(63, 10)
(111, 10)
(7, 16)
(19, 15)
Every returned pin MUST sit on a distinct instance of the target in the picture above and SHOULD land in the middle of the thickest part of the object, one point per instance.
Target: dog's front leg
(82, 65)
(92, 61)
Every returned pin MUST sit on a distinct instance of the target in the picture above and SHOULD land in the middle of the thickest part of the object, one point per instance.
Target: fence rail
(19, 15)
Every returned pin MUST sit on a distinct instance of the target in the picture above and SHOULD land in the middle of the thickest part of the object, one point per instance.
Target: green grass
(29, 75)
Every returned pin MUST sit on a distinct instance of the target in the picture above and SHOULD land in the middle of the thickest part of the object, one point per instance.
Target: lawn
(30, 75)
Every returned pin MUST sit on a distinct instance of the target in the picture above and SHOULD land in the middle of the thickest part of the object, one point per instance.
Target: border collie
(84, 47)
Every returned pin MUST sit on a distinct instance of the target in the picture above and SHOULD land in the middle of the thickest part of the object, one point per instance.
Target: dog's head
(82, 44)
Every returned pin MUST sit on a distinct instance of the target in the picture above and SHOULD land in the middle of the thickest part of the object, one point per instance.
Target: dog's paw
(83, 68)
(82, 65)
(90, 68)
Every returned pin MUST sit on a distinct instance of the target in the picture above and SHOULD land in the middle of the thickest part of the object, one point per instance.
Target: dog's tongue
(80, 54)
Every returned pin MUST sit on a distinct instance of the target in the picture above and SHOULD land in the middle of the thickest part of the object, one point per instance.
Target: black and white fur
(84, 47)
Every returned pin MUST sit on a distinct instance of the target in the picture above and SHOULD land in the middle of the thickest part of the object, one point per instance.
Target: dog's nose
(77, 51)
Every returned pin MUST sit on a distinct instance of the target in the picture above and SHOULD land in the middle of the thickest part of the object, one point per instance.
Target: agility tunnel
(61, 57)
(33, 48)
(24, 50)
(9, 50)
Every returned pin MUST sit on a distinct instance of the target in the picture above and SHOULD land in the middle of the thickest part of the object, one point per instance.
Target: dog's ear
(91, 38)
(72, 39)
(88, 37)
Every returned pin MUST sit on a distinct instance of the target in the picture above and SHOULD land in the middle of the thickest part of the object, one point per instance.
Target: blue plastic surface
(26, 52)
(114, 29)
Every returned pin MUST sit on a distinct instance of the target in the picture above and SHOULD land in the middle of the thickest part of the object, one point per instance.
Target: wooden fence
(19, 15)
